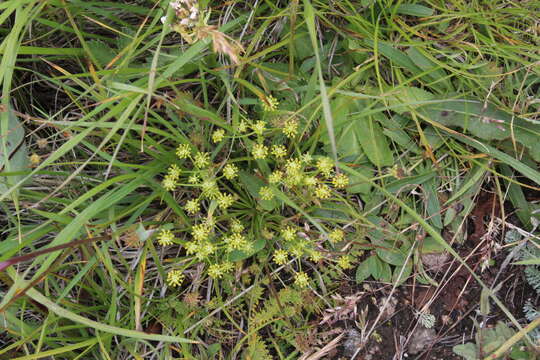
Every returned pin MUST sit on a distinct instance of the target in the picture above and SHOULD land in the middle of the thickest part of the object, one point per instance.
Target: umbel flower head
(340, 181)
(218, 135)
(269, 103)
(301, 279)
(259, 151)
(169, 183)
(230, 171)
(325, 165)
(336, 235)
(183, 151)
(174, 171)
(344, 262)
(165, 237)
(217, 271)
(225, 200)
(280, 257)
(200, 232)
(275, 177)
(288, 233)
(202, 159)
(192, 206)
(290, 129)
(266, 193)
(279, 151)
(236, 226)
(259, 127)
(175, 278)
(235, 241)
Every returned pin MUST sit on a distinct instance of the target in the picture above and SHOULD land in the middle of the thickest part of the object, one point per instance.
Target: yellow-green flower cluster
(322, 191)
(301, 279)
(336, 235)
(269, 103)
(194, 179)
(216, 271)
(201, 249)
(174, 171)
(344, 262)
(242, 127)
(201, 159)
(340, 181)
(259, 127)
(200, 232)
(235, 241)
(266, 193)
(175, 278)
(325, 166)
(275, 177)
(165, 237)
(225, 200)
(218, 135)
(281, 257)
(192, 206)
(315, 256)
(259, 151)
(288, 233)
(217, 201)
(290, 129)
(170, 181)
(279, 151)
(210, 189)
(230, 171)
(183, 151)
(236, 226)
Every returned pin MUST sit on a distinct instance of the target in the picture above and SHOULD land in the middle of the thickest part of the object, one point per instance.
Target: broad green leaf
(517, 198)
(301, 43)
(385, 241)
(358, 185)
(414, 10)
(405, 98)
(348, 142)
(405, 270)
(372, 139)
(485, 121)
(468, 351)
(332, 210)
(382, 271)
(430, 245)
(435, 72)
(13, 153)
(433, 206)
(365, 269)
(393, 129)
